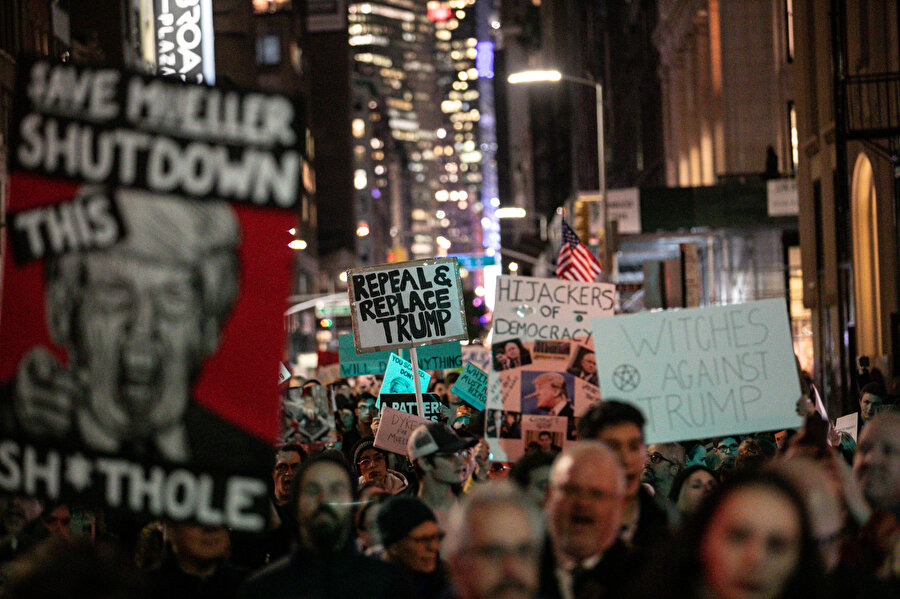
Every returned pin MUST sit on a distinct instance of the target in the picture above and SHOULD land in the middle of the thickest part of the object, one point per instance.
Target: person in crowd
(877, 462)
(482, 456)
(664, 462)
(725, 450)
(691, 487)
(79, 568)
(368, 540)
(372, 467)
(195, 564)
(532, 474)
(254, 550)
(287, 460)
(584, 507)
(325, 563)
(493, 545)
(621, 427)
(365, 413)
(443, 461)
(751, 539)
(409, 533)
(545, 439)
(871, 399)
(56, 519)
(750, 455)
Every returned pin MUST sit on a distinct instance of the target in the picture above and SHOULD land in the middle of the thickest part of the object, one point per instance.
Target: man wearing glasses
(411, 539)
(365, 413)
(372, 467)
(664, 462)
(444, 461)
(585, 502)
(493, 545)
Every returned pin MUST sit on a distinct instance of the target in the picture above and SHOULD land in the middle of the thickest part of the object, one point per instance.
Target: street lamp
(554, 76)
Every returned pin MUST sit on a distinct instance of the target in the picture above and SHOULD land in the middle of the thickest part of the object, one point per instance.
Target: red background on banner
(239, 382)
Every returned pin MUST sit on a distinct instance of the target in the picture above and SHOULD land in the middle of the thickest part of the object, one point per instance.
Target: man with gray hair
(493, 544)
(584, 506)
(137, 320)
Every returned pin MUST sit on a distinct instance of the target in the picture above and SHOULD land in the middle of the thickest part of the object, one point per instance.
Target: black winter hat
(398, 515)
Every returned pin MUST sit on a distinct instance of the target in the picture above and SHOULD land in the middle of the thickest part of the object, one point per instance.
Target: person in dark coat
(195, 565)
(326, 564)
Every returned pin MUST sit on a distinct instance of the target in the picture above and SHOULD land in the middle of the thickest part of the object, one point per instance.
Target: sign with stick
(440, 356)
(406, 304)
(702, 372)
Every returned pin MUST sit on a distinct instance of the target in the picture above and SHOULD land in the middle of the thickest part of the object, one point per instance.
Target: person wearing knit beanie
(411, 539)
(372, 467)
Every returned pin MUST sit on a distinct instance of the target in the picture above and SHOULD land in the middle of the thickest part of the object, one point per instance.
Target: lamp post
(553, 76)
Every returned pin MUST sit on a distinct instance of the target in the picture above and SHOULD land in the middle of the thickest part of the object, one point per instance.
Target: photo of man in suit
(585, 366)
(552, 395)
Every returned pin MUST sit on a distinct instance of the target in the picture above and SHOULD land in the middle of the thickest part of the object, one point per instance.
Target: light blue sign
(471, 386)
(398, 378)
(702, 372)
(440, 356)
(470, 262)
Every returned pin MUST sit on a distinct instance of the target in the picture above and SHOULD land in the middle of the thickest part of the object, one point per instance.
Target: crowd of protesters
(798, 513)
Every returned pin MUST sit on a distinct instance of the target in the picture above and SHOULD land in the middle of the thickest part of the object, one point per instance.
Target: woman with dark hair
(691, 486)
(749, 539)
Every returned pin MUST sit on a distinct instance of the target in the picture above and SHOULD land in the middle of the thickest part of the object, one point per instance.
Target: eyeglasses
(656, 458)
(591, 494)
(375, 459)
(462, 453)
(497, 552)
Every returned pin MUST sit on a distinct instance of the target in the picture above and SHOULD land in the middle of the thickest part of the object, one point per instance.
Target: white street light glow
(510, 212)
(533, 76)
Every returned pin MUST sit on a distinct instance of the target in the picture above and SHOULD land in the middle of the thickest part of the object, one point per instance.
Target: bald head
(585, 500)
(876, 463)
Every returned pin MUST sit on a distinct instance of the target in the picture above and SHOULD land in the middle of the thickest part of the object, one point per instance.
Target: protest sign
(440, 356)
(406, 402)
(308, 416)
(283, 373)
(143, 287)
(848, 424)
(528, 308)
(471, 386)
(540, 400)
(478, 355)
(394, 429)
(406, 304)
(398, 377)
(702, 372)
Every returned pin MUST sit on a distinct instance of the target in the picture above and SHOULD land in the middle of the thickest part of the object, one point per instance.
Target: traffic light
(326, 323)
(583, 221)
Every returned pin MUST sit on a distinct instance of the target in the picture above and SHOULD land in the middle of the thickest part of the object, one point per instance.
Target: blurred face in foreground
(585, 502)
(501, 558)
(418, 550)
(752, 545)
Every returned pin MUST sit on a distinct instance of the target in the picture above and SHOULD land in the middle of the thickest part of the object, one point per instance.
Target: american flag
(575, 261)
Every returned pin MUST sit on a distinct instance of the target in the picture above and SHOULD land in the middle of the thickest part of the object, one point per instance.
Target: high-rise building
(393, 128)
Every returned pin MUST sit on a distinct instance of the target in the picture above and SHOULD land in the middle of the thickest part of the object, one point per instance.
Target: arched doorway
(867, 285)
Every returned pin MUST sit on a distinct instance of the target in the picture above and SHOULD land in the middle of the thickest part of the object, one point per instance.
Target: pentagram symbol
(626, 377)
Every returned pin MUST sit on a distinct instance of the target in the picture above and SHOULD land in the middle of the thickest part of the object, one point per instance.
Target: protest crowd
(800, 513)
(140, 456)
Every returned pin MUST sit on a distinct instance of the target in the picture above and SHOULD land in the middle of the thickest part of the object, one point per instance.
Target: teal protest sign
(471, 386)
(702, 372)
(441, 356)
(398, 378)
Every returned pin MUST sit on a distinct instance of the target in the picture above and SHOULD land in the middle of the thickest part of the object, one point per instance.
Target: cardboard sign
(394, 430)
(143, 280)
(848, 424)
(702, 372)
(406, 304)
(478, 355)
(471, 386)
(540, 400)
(398, 378)
(527, 308)
(440, 356)
(406, 402)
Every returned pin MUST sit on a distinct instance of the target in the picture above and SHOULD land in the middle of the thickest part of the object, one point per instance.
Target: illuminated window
(795, 138)
(270, 6)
